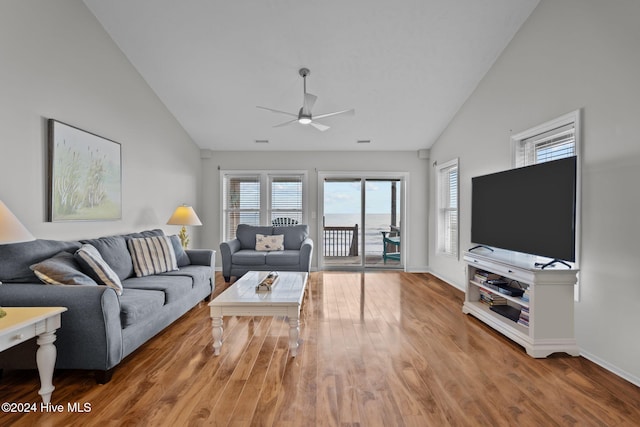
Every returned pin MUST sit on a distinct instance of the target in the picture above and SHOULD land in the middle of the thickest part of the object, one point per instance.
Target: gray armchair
(240, 255)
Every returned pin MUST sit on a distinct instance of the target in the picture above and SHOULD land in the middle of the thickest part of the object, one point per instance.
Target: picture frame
(84, 176)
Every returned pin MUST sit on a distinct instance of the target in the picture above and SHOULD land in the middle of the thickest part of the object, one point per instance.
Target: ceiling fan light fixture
(304, 116)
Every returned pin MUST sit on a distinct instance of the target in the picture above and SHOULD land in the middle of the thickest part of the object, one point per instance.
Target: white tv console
(550, 302)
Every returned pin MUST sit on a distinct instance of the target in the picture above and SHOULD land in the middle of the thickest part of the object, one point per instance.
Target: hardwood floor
(378, 349)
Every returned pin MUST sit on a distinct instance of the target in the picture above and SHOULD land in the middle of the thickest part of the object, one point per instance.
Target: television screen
(529, 209)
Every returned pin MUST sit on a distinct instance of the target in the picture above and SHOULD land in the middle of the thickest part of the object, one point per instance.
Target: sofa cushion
(95, 266)
(246, 234)
(136, 305)
(294, 235)
(174, 287)
(182, 258)
(249, 257)
(281, 258)
(199, 273)
(17, 257)
(61, 269)
(269, 242)
(152, 255)
(114, 251)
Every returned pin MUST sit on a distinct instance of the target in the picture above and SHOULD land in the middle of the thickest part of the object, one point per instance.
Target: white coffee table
(23, 323)
(241, 299)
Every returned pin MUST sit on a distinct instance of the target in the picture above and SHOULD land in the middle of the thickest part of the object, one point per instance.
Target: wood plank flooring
(378, 349)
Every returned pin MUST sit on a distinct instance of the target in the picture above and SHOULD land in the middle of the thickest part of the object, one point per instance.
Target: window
(447, 193)
(241, 202)
(259, 197)
(550, 141)
(286, 199)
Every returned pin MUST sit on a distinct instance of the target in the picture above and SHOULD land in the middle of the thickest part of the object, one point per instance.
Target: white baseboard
(611, 368)
(418, 269)
(448, 281)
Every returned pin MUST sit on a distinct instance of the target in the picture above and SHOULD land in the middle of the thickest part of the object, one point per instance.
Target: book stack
(482, 276)
(490, 298)
(524, 316)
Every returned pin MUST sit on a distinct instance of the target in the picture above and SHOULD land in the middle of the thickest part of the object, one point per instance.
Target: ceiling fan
(304, 116)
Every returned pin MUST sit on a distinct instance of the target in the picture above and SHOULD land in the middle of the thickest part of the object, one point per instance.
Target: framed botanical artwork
(85, 175)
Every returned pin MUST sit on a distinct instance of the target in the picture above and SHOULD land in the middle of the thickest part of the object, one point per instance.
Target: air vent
(261, 141)
(364, 141)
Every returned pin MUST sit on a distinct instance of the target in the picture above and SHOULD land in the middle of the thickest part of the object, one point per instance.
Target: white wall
(312, 162)
(56, 61)
(570, 54)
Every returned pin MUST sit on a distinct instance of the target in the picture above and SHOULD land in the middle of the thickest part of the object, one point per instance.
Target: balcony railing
(340, 241)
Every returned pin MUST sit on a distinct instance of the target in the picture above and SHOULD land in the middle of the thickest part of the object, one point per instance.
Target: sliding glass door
(342, 222)
(382, 222)
(361, 223)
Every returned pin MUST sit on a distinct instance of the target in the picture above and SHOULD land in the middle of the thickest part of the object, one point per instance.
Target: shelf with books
(518, 300)
(511, 329)
(541, 320)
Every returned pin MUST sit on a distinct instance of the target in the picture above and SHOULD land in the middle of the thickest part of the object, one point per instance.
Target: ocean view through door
(361, 222)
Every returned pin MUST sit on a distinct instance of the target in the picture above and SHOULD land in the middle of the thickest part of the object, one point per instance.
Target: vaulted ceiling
(406, 66)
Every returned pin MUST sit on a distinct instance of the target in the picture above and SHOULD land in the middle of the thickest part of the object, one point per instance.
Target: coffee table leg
(294, 333)
(216, 324)
(46, 361)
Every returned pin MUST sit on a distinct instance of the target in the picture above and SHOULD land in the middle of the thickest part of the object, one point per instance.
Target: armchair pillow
(269, 242)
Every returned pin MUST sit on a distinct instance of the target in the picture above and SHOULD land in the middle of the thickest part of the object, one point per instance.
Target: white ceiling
(406, 66)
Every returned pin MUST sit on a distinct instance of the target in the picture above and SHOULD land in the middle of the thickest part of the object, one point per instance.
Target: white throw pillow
(269, 242)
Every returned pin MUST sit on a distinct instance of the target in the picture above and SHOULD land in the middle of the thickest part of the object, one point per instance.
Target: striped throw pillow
(95, 266)
(152, 255)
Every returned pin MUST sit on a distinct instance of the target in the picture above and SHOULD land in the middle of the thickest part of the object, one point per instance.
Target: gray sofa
(240, 255)
(101, 327)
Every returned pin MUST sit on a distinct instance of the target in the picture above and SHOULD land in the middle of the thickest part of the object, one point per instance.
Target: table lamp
(11, 231)
(184, 215)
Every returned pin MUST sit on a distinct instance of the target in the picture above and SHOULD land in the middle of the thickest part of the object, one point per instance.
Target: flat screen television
(530, 209)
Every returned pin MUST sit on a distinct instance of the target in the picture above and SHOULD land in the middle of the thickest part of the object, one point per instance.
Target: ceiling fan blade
(321, 116)
(277, 111)
(286, 123)
(309, 101)
(319, 126)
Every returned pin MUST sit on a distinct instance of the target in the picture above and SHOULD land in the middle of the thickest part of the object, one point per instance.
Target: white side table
(23, 323)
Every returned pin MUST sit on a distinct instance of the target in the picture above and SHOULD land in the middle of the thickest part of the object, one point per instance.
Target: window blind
(242, 202)
(448, 239)
(286, 198)
(554, 144)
